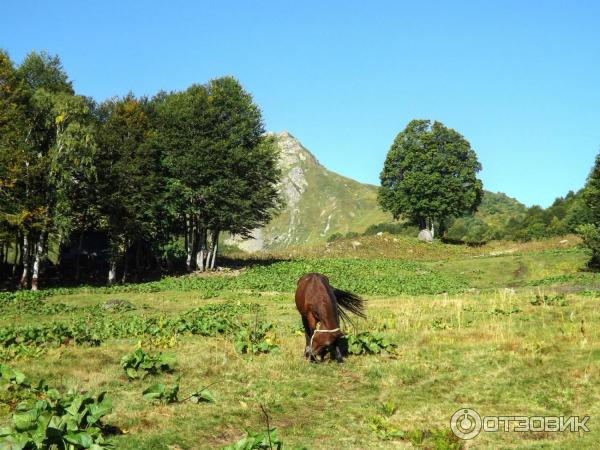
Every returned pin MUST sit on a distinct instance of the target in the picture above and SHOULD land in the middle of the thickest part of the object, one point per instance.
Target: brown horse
(319, 302)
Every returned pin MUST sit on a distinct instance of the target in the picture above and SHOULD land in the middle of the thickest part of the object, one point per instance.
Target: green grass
(520, 269)
(495, 349)
(369, 277)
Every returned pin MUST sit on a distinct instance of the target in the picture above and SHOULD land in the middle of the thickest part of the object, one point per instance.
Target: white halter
(320, 331)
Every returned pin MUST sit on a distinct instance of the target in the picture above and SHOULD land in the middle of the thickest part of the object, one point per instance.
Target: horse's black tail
(349, 302)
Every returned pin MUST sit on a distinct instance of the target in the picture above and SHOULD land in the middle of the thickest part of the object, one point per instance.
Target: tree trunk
(39, 253)
(59, 241)
(209, 251)
(125, 267)
(112, 272)
(189, 243)
(432, 230)
(200, 259)
(20, 251)
(78, 259)
(215, 246)
(188, 259)
(208, 257)
(138, 259)
(442, 227)
(158, 263)
(25, 255)
(201, 250)
(16, 257)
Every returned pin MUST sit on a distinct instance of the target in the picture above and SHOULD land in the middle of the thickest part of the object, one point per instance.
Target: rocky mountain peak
(293, 153)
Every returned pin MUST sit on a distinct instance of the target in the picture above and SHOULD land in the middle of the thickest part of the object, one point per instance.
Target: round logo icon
(465, 423)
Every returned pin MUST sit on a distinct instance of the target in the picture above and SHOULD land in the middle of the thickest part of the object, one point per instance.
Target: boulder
(425, 236)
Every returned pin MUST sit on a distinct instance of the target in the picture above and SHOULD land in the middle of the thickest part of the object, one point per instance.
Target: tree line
(143, 182)
(501, 218)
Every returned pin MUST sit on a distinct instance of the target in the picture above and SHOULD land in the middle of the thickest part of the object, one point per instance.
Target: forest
(138, 182)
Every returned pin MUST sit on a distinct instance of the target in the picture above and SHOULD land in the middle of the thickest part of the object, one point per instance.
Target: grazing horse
(319, 302)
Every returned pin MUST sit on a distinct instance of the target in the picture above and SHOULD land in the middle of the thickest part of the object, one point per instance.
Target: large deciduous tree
(219, 161)
(241, 194)
(130, 187)
(15, 216)
(49, 143)
(60, 139)
(430, 175)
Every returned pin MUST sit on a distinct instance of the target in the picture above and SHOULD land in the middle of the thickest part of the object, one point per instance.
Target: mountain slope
(498, 208)
(319, 202)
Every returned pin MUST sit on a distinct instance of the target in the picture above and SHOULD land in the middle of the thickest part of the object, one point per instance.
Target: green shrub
(364, 276)
(469, 230)
(139, 364)
(166, 395)
(161, 393)
(590, 234)
(405, 229)
(254, 339)
(70, 421)
(383, 429)
(335, 237)
(15, 388)
(8, 375)
(369, 343)
(257, 441)
(209, 320)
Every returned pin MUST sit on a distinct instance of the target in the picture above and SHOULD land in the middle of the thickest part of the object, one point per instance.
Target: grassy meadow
(505, 329)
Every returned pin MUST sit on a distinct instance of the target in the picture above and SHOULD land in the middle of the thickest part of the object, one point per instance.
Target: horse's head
(321, 341)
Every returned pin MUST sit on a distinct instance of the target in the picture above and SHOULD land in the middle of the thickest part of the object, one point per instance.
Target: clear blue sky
(519, 79)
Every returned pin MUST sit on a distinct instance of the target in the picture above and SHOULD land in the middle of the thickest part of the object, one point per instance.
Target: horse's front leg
(308, 332)
(338, 353)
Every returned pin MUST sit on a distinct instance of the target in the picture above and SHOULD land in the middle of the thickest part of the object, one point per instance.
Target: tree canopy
(430, 175)
(220, 165)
